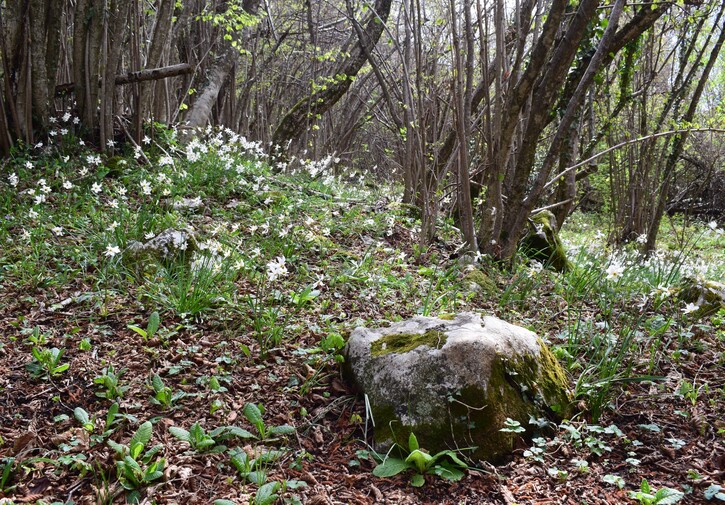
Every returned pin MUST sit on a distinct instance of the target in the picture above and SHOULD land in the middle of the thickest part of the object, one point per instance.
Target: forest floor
(237, 334)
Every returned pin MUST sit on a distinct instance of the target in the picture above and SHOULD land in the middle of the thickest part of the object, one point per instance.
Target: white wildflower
(112, 250)
(615, 271)
(689, 308)
(13, 179)
(58, 230)
(276, 268)
(96, 187)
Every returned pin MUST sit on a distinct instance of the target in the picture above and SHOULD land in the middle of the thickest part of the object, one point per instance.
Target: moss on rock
(708, 295)
(542, 242)
(481, 282)
(405, 342)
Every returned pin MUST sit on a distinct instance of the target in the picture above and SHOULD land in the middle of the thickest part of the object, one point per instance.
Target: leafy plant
(663, 496)
(201, 441)
(110, 382)
(254, 415)
(163, 394)
(445, 464)
(134, 468)
(151, 327)
(253, 469)
(46, 362)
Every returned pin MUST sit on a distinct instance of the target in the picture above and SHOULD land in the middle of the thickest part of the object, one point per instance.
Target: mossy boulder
(454, 382)
(478, 281)
(708, 295)
(542, 242)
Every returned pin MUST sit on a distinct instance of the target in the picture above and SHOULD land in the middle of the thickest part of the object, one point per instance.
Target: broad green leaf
(285, 429)
(120, 449)
(417, 480)
(224, 502)
(111, 416)
(448, 471)
(153, 325)
(143, 434)
(258, 477)
(413, 442)
(668, 496)
(615, 480)
(267, 494)
(157, 383)
(231, 431)
(131, 463)
(81, 416)
(390, 467)
(180, 433)
(253, 415)
(61, 368)
(296, 484)
(714, 491)
(419, 459)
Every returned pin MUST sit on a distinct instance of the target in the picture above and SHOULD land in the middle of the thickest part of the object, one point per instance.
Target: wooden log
(150, 74)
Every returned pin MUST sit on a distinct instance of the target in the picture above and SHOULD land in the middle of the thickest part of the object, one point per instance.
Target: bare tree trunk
(304, 112)
(679, 142)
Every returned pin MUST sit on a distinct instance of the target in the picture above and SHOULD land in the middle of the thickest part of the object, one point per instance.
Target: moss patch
(483, 281)
(404, 342)
(474, 415)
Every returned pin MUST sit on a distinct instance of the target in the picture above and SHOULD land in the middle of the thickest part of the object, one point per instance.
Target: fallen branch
(150, 74)
(626, 143)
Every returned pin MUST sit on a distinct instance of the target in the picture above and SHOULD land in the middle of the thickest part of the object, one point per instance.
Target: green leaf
(615, 480)
(390, 467)
(668, 496)
(285, 429)
(258, 477)
(419, 459)
(714, 492)
(138, 330)
(413, 442)
(157, 383)
(266, 495)
(180, 433)
(153, 325)
(119, 448)
(81, 416)
(111, 416)
(296, 484)
(253, 415)
(448, 471)
(417, 480)
(142, 435)
(224, 502)
(231, 431)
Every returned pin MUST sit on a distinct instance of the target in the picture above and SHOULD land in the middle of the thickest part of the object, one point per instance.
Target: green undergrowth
(284, 263)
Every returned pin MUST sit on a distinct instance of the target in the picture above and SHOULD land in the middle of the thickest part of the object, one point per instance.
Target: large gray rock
(168, 247)
(455, 382)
